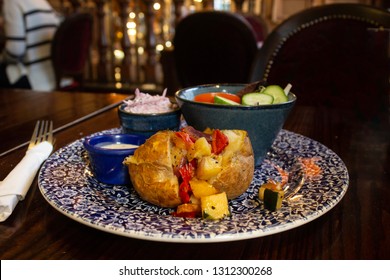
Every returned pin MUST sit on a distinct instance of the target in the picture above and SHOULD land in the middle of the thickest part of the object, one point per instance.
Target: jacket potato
(171, 167)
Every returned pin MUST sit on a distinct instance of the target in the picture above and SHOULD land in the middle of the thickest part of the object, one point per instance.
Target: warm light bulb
(159, 47)
(119, 54)
(131, 25)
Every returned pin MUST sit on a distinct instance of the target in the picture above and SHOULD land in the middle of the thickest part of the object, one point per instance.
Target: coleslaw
(144, 103)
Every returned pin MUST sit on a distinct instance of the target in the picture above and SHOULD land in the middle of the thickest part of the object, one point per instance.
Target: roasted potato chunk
(202, 188)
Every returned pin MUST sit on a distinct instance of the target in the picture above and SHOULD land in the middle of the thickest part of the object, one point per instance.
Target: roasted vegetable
(188, 210)
(215, 207)
(272, 195)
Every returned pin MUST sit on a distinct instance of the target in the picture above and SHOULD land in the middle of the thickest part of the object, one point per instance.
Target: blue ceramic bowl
(107, 163)
(148, 124)
(262, 123)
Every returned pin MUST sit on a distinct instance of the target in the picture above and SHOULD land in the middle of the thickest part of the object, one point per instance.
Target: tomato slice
(208, 97)
(205, 97)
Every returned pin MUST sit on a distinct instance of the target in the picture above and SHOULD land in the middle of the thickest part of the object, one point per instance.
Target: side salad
(272, 94)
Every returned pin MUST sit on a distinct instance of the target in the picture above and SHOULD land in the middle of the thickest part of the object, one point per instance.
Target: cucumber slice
(277, 93)
(261, 89)
(255, 98)
(224, 101)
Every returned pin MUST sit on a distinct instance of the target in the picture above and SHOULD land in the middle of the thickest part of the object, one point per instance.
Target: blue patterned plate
(66, 182)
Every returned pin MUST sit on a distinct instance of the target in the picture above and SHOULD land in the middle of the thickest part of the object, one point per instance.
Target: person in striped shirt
(29, 27)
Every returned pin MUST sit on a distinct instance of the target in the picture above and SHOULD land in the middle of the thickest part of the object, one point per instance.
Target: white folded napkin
(15, 186)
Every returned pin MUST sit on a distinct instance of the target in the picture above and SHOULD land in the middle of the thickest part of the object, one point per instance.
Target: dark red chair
(333, 55)
(70, 49)
(213, 47)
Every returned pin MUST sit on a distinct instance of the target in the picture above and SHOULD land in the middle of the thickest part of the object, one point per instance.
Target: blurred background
(130, 36)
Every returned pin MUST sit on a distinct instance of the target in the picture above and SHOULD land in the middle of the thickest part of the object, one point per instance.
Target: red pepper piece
(186, 138)
(187, 171)
(185, 192)
(219, 142)
(185, 214)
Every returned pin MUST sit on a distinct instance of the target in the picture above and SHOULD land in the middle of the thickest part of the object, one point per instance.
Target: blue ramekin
(107, 164)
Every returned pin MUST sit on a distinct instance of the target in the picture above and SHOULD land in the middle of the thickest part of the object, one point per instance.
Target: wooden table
(356, 228)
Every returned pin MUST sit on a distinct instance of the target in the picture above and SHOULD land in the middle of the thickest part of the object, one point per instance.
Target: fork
(17, 183)
(43, 131)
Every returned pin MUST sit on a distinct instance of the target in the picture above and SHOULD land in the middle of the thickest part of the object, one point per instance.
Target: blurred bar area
(129, 36)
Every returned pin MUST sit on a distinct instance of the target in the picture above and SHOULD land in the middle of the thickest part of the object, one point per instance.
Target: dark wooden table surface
(356, 228)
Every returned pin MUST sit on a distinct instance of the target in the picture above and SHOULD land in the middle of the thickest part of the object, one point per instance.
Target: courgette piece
(254, 98)
(273, 199)
(272, 195)
(277, 93)
(215, 207)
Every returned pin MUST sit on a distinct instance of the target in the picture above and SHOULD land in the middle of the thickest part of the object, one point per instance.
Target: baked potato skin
(237, 173)
(151, 171)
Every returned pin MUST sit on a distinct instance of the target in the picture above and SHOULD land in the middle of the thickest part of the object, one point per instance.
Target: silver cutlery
(17, 183)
